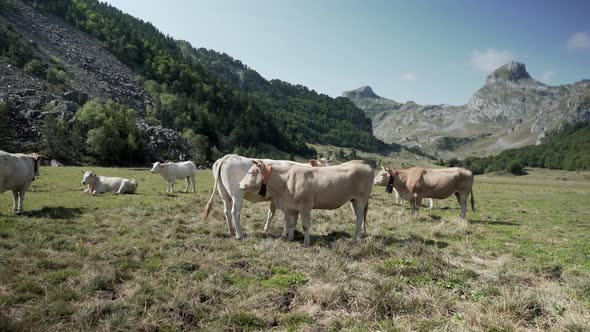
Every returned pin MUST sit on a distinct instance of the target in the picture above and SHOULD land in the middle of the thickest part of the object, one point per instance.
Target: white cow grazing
(101, 184)
(172, 171)
(297, 189)
(17, 171)
(227, 172)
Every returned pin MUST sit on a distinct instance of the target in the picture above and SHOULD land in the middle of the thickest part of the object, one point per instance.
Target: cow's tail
(209, 205)
(365, 217)
(472, 201)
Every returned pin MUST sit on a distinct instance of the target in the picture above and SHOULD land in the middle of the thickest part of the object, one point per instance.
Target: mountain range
(512, 109)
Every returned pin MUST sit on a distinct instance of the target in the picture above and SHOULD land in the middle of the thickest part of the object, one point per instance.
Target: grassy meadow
(147, 261)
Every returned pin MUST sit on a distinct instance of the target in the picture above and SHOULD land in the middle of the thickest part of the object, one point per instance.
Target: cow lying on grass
(101, 184)
(298, 189)
(417, 183)
(228, 171)
(173, 171)
(17, 171)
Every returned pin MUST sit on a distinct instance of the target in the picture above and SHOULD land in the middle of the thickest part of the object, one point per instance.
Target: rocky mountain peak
(513, 71)
(362, 92)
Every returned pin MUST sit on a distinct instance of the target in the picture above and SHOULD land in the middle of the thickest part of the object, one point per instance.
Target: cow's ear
(384, 168)
(255, 162)
(82, 172)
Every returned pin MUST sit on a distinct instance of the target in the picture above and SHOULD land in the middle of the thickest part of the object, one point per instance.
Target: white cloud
(489, 60)
(546, 76)
(579, 40)
(408, 77)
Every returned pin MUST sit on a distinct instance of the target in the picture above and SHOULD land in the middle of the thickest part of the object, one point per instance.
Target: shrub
(57, 76)
(515, 168)
(36, 68)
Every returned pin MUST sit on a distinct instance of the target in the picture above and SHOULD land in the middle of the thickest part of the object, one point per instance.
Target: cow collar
(265, 177)
(389, 187)
(393, 173)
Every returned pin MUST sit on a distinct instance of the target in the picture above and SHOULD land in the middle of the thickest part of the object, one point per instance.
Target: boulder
(77, 97)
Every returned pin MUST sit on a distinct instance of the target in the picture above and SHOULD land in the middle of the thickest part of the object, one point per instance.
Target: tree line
(565, 149)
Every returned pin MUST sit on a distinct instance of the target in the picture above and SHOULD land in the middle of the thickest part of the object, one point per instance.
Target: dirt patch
(287, 300)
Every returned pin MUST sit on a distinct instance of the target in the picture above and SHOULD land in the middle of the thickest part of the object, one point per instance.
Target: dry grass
(147, 262)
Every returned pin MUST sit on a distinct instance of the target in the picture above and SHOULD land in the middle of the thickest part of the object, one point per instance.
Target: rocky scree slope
(92, 72)
(511, 110)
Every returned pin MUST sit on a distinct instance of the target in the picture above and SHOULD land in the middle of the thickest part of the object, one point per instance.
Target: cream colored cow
(297, 189)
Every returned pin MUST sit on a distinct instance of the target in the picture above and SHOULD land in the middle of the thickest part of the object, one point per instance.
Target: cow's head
(253, 178)
(36, 162)
(157, 167)
(325, 161)
(89, 178)
(384, 176)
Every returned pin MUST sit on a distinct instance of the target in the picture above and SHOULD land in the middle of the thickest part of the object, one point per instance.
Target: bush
(113, 135)
(515, 168)
(57, 76)
(36, 68)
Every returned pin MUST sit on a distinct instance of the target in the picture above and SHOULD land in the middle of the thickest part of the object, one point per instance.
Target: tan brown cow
(417, 183)
(297, 189)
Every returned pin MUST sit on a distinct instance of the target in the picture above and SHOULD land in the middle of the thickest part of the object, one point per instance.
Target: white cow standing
(228, 171)
(171, 171)
(17, 171)
(101, 184)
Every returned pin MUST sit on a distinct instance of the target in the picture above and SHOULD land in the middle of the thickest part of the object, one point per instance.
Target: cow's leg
(21, 201)
(359, 212)
(462, 199)
(272, 208)
(418, 202)
(290, 222)
(188, 182)
(171, 186)
(227, 203)
(306, 222)
(235, 211)
(15, 199)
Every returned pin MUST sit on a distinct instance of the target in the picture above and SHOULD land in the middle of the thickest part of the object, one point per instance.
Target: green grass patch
(78, 262)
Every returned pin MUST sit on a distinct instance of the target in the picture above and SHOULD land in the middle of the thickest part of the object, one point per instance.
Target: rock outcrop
(92, 73)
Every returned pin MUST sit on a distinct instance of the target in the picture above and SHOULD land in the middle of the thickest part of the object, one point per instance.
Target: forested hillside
(566, 149)
(195, 96)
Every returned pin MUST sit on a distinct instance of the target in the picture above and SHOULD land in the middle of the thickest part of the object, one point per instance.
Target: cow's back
(111, 183)
(15, 170)
(330, 187)
(442, 183)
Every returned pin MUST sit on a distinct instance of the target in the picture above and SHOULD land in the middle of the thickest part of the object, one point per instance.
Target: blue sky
(431, 52)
